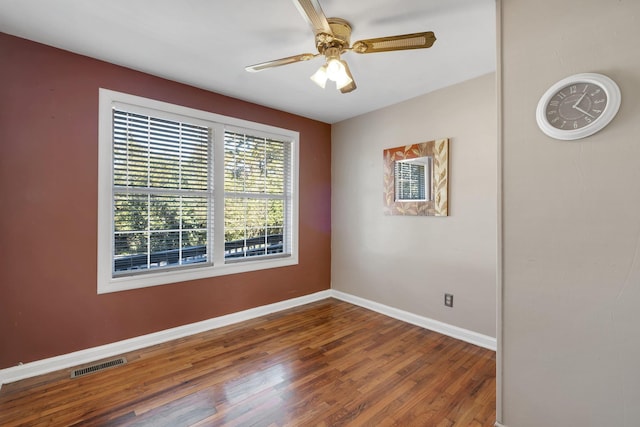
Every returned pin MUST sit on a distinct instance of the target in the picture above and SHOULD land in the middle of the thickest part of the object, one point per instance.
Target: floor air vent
(99, 367)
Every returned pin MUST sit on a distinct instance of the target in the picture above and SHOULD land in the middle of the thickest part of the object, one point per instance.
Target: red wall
(48, 221)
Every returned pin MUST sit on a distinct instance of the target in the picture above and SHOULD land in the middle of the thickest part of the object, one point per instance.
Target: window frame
(106, 281)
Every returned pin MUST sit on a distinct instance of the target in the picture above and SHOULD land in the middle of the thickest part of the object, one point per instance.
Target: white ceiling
(207, 44)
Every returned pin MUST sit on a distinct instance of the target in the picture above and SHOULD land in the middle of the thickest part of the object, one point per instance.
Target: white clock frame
(614, 99)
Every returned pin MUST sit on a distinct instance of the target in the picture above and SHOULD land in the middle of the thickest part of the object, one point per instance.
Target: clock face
(576, 105)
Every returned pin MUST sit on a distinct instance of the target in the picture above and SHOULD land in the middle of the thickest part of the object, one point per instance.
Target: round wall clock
(578, 106)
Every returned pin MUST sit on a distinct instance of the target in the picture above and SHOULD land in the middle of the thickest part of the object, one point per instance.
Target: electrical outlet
(448, 300)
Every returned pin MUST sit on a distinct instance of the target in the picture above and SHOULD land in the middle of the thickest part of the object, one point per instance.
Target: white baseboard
(89, 355)
(497, 424)
(424, 322)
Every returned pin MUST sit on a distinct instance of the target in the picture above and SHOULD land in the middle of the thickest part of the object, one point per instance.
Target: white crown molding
(424, 322)
(93, 354)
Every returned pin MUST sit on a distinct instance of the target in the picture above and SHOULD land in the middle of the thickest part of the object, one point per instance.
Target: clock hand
(579, 100)
(583, 112)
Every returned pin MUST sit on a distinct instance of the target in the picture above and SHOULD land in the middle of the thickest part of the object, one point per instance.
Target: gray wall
(410, 262)
(571, 222)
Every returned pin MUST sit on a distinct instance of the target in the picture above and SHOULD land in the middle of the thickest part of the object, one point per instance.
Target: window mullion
(148, 229)
(119, 189)
(180, 200)
(257, 195)
(218, 194)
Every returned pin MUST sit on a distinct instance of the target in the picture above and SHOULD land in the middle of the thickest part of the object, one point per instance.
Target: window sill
(107, 284)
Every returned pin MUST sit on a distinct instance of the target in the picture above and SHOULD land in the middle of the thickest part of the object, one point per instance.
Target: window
(412, 179)
(161, 192)
(255, 202)
(186, 194)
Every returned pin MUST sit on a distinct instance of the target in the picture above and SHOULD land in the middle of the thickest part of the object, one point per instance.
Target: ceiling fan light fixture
(334, 69)
(343, 78)
(320, 77)
(350, 86)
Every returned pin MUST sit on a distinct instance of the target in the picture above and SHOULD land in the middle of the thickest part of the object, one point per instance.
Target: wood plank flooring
(328, 363)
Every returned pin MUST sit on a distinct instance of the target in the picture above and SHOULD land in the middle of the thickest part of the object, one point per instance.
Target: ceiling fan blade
(282, 61)
(313, 14)
(351, 86)
(403, 42)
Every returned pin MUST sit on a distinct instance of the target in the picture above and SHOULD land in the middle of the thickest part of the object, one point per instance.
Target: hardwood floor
(328, 363)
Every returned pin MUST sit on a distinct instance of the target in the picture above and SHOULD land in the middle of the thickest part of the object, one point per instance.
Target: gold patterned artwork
(422, 189)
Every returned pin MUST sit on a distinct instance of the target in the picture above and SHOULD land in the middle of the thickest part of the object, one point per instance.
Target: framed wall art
(416, 179)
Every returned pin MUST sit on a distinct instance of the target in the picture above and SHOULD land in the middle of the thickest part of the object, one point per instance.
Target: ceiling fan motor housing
(340, 39)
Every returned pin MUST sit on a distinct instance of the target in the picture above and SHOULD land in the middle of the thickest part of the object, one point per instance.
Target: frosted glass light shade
(334, 70)
(320, 76)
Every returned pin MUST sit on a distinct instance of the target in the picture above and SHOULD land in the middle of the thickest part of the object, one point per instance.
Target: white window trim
(106, 282)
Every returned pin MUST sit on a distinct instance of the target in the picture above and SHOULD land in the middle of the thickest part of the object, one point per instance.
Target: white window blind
(162, 193)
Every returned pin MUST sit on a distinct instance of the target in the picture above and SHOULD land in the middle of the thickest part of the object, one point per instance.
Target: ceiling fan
(333, 38)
